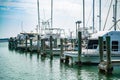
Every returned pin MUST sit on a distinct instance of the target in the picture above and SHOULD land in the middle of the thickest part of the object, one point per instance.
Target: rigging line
(44, 14)
(114, 25)
(117, 24)
(111, 27)
(89, 17)
(118, 27)
(105, 4)
(107, 14)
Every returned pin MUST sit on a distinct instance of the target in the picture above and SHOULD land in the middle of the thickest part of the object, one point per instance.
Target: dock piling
(79, 48)
(26, 43)
(51, 48)
(31, 44)
(61, 53)
(55, 43)
(15, 43)
(106, 66)
(109, 64)
(65, 41)
(38, 44)
(43, 47)
(101, 48)
(67, 60)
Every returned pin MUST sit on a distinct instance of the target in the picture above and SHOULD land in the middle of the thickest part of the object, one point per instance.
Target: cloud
(4, 8)
(67, 7)
(27, 7)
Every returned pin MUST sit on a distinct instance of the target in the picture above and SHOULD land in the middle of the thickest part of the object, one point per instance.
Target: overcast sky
(14, 13)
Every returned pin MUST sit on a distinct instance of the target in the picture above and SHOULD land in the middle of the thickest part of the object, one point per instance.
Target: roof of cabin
(113, 34)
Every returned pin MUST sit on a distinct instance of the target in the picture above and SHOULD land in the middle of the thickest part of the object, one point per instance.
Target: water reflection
(38, 57)
(19, 65)
(30, 56)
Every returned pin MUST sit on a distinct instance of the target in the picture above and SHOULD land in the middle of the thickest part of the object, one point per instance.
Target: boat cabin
(115, 40)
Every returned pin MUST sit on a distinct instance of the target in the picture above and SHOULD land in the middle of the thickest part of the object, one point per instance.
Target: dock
(105, 66)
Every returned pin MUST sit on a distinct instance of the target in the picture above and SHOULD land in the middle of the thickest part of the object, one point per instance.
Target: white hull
(92, 57)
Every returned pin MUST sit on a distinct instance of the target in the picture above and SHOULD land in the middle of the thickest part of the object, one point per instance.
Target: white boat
(91, 53)
(22, 40)
(56, 34)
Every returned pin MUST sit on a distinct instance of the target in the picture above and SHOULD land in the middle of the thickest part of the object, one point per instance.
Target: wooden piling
(38, 44)
(31, 44)
(26, 43)
(41, 45)
(15, 43)
(11, 43)
(101, 48)
(67, 60)
(72, 44)
(106, 66)
(61, 49)
(65, 41)
(43, 53)
(51, 48)
(55, 43)
(72, 62)
(44, 46)
(109, 64)
(79, 48)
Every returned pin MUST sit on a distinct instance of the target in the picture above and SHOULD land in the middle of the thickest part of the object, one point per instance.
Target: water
(26, 66)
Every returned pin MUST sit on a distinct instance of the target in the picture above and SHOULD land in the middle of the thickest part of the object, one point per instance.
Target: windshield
(92, 44)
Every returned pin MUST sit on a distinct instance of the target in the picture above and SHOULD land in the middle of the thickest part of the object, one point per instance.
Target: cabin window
(114, 45)
(92, 44)
(31, 35)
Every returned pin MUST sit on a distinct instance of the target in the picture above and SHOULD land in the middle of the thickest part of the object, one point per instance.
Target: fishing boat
(56, 34)
(21, 39)
(90, 54)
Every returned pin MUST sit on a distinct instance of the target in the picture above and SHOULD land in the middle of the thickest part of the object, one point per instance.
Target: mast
(99, 15)
(93, 14)
(51, 13)
(38, 16)
(76, 30)
(83, 16)
(115, 16)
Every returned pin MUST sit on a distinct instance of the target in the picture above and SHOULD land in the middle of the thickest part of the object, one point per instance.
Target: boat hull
(90, 58)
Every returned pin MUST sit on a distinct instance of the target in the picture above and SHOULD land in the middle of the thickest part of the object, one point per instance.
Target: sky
(21, 15)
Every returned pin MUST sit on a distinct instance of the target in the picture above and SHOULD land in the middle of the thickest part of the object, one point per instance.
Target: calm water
(26, 66)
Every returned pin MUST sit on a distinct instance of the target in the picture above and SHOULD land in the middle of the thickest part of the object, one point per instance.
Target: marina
(44, 50)
(103, 51)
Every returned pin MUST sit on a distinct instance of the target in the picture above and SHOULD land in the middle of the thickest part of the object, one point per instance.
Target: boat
(90, 54)
(21, 38)
(56, 34)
